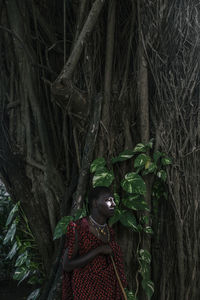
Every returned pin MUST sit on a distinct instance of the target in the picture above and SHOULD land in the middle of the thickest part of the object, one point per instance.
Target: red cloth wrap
(97, 280)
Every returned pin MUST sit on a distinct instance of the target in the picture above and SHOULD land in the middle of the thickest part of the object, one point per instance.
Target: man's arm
(80, 261)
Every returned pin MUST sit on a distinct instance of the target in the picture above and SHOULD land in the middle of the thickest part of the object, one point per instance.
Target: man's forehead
(106, 195)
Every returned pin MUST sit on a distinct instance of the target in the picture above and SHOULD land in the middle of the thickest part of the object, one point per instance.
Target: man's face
(106, 205)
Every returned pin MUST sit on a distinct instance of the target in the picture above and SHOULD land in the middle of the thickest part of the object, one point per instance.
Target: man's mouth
(112, 208)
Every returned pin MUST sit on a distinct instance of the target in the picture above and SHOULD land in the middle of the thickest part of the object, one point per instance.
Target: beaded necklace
(100, 228)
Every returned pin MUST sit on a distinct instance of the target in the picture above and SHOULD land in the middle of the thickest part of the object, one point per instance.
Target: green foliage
(144, 258)
(61, 227)
(162, 175)
(103, 177)
(10, 233)
(135, 202)
(23, 254)
(133, 183)
(123, 156)
(130, 295)
(148, 286)
(141, 160)
(97, 164)
(12, 214)
(34, 295)
(128, 219)
(5, 207)
(145, 162)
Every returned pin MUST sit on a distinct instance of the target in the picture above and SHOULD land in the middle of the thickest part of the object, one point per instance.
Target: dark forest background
(86, 79)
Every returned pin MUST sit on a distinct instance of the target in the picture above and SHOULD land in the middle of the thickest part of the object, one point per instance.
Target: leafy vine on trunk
(141, 56)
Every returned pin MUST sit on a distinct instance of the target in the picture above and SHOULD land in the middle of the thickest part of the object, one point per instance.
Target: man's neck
(101, 220)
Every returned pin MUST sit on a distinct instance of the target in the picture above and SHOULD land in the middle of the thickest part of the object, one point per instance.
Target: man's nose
(113, 203)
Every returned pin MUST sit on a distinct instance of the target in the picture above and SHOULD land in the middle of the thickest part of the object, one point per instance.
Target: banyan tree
(81, 79)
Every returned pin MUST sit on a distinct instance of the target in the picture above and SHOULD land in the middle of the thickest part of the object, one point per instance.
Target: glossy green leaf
(141, 160)
(148, 229)
(10, 234)
(127, 219)
(139, 228)
(21, 259)
(148, 287)
(34, 295)
(127, 154)
(150, 144)
(97, 164)
(162, 175)
(130, 295)
(136, 202)
(116, 217)
(150, 168)
(165, 161)
(21, 273)
(139, 148)
(117, 199)
(145, 256)
(12, 214)
(80, 213)
(145, 270)
(144, 220)
(103, 177)
(133, 184)
(61, 227)
(13, 251)
(157, 155)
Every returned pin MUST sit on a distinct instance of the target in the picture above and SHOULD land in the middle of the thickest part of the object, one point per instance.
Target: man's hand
(105, 249)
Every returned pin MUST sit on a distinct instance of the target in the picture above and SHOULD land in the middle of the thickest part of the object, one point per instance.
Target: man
(88, 266)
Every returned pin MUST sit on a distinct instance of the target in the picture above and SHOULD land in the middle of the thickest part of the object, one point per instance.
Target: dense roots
(81, 79)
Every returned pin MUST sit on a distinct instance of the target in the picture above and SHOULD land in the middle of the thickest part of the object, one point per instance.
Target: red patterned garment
(97, 280)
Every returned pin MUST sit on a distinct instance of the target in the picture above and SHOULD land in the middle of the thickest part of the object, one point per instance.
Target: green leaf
(145, 270)
(35, 280)
(97, 164)
(133, 183)
(144, 220)
(165, 161)
(150, 144)
(145, 256)
(148, 229)
(12, 214)
(127, 219)
(130, 295)
(21, 274)
(162, 175)
(116, 217)
(148, 287)
(135, 202)
(139, 228)
(10, 234)
(80, 213)
(103, 177)
(34, 295)
(139, 148)
(127, 154)
(13, 251)
(21, 259)
(61, 227)
(149, 168)
(141, 160)
(117, 198)
(157, 155)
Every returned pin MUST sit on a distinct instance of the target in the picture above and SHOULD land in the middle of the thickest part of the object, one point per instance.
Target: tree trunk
(130, 73)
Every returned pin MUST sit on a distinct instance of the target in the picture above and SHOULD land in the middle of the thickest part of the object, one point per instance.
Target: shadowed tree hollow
(86, 79)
